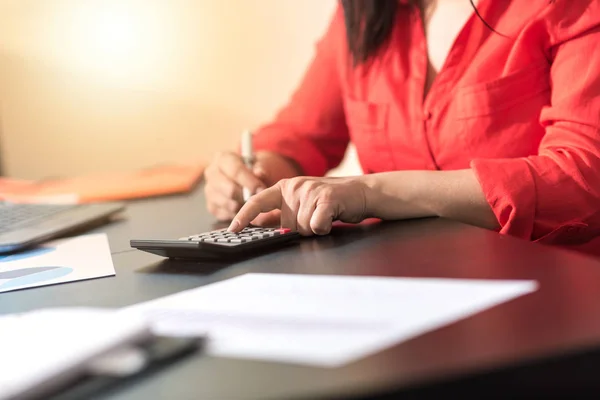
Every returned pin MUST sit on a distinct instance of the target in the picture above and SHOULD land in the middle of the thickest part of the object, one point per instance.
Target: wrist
(372, 194)
(276, 166)
(397, 195)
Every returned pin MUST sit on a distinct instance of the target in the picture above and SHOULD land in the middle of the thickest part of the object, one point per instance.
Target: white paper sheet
(40, 347)
(320, 320)
(59, 261)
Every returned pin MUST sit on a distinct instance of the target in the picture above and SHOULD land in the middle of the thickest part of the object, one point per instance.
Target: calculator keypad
(222, 236)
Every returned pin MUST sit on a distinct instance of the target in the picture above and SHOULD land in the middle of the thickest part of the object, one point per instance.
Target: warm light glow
(122, 40)
(114, 34)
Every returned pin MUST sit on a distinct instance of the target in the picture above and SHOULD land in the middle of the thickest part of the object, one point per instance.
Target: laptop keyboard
(12, 215)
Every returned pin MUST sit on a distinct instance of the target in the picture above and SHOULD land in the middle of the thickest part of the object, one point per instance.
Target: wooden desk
(546, 341)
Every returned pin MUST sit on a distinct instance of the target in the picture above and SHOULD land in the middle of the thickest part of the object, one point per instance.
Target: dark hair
(369, 24)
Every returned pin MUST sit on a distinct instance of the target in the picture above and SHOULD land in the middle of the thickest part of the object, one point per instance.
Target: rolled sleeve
(509, 189)
(554, 195)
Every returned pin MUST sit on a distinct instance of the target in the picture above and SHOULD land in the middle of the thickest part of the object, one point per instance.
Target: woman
(485, 112)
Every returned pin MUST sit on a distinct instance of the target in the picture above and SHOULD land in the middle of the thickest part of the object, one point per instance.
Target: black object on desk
(160, 352)
(546, 343)
(219, 244)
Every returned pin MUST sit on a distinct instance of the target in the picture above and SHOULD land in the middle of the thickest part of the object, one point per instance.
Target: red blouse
(521, 108)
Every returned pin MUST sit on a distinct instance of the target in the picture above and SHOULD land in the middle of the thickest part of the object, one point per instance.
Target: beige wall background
(115, 85)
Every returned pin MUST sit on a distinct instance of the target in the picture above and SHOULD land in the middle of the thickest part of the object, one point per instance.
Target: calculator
(219, 244)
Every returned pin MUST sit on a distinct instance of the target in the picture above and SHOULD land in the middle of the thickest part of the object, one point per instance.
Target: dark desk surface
(546, 340)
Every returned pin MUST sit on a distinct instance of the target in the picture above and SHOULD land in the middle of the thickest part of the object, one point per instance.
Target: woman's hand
(308, 205)
(227, 175)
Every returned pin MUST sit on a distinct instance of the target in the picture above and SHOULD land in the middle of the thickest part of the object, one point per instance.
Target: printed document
(59, 261)
(320, 320)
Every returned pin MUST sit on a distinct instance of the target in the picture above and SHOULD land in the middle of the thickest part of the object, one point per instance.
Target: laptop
(26, 225)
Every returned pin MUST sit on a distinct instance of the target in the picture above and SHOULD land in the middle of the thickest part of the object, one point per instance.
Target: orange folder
(155, 181)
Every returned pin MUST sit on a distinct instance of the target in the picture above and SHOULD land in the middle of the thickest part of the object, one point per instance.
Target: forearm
(272, 167)
(413, 194)
(288, 164)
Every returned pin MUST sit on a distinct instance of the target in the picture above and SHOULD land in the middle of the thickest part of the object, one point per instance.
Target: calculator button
(283, 230)
(238, 240)
(223, 240)
(210, 240)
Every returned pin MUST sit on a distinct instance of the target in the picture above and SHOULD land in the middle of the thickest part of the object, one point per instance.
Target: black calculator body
(219, 244)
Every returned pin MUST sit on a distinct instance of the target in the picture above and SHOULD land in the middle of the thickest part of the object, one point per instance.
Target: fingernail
(234, 226)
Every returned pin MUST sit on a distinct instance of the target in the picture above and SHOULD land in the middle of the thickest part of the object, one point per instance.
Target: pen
(248, 157)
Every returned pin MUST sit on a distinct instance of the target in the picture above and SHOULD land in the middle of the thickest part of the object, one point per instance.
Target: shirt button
(426, 115)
